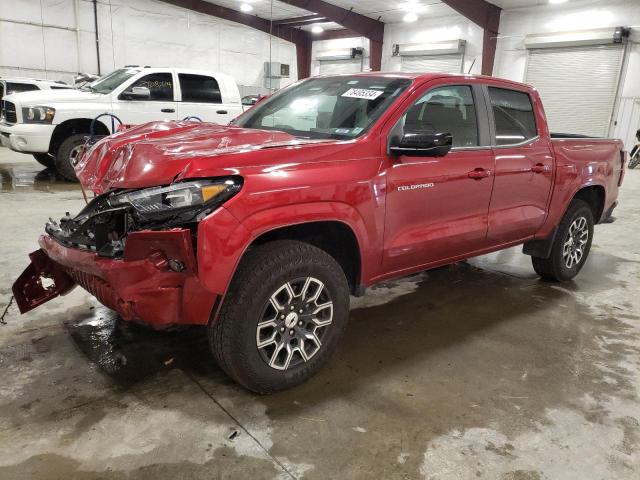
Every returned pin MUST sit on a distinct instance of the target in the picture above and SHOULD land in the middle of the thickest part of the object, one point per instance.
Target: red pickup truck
(262, 229)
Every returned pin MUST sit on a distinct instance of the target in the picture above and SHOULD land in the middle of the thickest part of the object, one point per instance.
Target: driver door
(437, 207)
(161, 104)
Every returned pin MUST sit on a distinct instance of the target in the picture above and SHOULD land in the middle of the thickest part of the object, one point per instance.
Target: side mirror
(137, 93)
(421, 143)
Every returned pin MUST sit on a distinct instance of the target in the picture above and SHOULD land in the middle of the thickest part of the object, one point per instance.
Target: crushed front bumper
(155, 282)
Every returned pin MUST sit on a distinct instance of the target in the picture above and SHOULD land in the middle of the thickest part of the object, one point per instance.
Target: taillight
(623, 162)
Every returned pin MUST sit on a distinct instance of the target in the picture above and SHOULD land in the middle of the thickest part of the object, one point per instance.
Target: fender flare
(223, 240)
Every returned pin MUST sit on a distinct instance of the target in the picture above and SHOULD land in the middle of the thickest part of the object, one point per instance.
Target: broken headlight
(182, 202)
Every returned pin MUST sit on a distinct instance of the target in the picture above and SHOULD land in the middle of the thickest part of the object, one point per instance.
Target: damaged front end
(133, 250)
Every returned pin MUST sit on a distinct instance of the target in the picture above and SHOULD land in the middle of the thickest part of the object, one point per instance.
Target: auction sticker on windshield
(365, 93)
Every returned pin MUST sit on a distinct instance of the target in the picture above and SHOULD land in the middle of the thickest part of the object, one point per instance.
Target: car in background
(53, 126)
(10, 85)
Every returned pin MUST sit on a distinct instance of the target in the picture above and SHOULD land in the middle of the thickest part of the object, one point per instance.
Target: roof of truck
(429, 76)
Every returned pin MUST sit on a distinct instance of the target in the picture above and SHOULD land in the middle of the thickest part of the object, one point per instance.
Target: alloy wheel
(294, 322)
(575, 242)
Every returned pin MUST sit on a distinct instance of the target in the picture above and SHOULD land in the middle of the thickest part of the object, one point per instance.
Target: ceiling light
(246, 8)
(410, 17)
(557, 1)
(317, 29)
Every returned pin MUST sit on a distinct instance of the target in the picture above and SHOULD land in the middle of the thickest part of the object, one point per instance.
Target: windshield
(112, 81)
(330, 107)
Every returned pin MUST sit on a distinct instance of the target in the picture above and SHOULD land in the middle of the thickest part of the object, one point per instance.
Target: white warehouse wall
(321, 45)
(511, 56)
(56, 39)
(435, 29)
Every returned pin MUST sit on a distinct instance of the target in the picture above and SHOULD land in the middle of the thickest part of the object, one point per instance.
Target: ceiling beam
(299, 21)
(300, 38)
(362, 25)
(365, 26)
(487, 16)
(333, 34)
(253, 21)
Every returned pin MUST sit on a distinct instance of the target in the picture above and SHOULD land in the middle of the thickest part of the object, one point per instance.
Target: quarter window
(446, 109)
(514, 117)
(159, 84)
(199, 88)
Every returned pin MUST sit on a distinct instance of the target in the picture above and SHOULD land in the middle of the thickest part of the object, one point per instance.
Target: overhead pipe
(95, 21)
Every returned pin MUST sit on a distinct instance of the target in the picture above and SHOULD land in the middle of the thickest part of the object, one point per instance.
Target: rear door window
(514, 116)
(199, 88)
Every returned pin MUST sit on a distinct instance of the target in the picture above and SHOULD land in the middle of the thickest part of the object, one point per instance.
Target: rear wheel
(44, 159)
(570, 247)
(284, 314)
(68, 155)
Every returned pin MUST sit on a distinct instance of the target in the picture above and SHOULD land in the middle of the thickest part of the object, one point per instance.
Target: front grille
(9, 112)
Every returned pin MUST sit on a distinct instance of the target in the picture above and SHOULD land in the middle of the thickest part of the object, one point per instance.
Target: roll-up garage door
(432, 63)
(335, 67)
(577, 85)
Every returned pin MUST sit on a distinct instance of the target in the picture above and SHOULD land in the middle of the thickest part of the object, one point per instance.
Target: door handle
(222, 112)
(479, 173)
(539, 168)
(168, 110)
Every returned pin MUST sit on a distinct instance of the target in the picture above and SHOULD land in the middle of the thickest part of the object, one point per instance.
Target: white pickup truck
(52, 124)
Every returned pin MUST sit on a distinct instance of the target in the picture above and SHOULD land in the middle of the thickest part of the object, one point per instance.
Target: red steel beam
(299, 21)
(300, 38)
(362, 25)
(365, 26)
(332, 34)
(487, 16)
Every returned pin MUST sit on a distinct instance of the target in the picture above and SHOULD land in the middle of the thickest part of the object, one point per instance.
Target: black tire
(266, 269)
(561, 268)
(44, 159)
(66, 154)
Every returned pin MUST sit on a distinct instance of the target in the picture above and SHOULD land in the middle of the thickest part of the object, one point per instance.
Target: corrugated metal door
(336, 67)
(432, 63)
(577, 85)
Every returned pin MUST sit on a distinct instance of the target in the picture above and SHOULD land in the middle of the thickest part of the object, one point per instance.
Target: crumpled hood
(157, 153)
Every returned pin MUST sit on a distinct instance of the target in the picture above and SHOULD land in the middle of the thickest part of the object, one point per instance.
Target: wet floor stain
(129, 353)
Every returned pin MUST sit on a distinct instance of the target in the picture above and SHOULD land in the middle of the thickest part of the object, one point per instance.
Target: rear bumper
(140, 287)
(27, 138)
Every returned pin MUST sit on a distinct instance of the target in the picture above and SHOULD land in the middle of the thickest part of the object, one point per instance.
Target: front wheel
(283, 316)
(570, 247)
(68, 155)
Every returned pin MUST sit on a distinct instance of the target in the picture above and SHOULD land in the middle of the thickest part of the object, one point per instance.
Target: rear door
(435, 208)
(523, 165)
(201, 97)
(160, 106)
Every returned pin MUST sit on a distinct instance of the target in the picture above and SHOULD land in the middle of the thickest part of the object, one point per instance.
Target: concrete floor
(478, 370)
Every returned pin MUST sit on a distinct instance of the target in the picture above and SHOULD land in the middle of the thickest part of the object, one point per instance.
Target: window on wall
(199, 88)
(514, 116)
(159, 84)
(446, 109)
